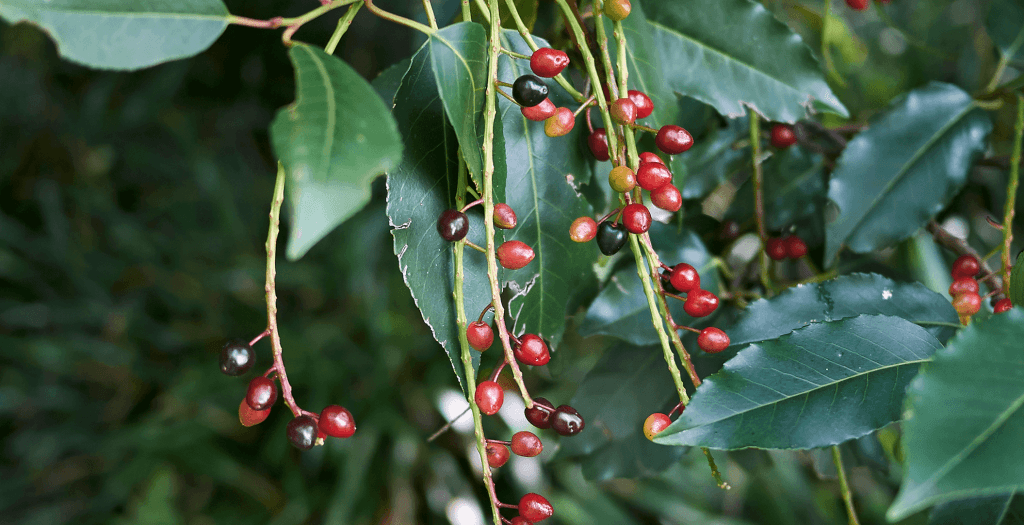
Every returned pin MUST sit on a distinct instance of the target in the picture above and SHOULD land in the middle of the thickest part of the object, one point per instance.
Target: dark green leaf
(846, 296)
(985, 510)
(1005, 24)
(821, 385)
(712, 159)
(794, 189)
(333, 141)
(896, 175)
(123, 34)
(964, 422)
(1017, 281)
(388, 81)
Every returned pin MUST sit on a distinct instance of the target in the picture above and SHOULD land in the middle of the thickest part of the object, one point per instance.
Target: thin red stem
(258, 337)
(470, 205)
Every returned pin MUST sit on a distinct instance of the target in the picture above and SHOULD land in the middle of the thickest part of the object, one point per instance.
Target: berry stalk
(1011, 193)
(758, 180)
(844, 485)
(533, 46)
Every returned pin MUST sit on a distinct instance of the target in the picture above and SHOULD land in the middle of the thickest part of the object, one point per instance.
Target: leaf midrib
(331, 107)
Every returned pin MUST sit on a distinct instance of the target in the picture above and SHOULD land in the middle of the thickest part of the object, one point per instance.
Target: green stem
(467, 13)
(521, 27)
(762, 232)
(1011, 192)
(343, 26)
(484, 10)
(430, 14)
(427, 30)
(844, 486)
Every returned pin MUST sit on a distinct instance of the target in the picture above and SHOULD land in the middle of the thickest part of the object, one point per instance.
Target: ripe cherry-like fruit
(643, 103)
(453, 225)
(963, 285)
(535, 507)
(667, 198)
(623, 111)
(700, 303)
(597, 141)
(685, 278)
(857, 5)
(489, 397)
(712, 340)
(526, 444)
(965, 266)
(775, 248)
(302, 432)
(795, 247)
(617, 10)
(519, 520)
(648, 156)
(547, 62)
(540, 112)
(497, 454)
(532, 350)
(611, 237)
(480, 335)
(540, 415)
(504, 216)
(337, 421)
(514, 254)
(561, 123)
(236, 358)
(621, 179)
(637, 218)
(1002, 305)
(967, 304)
(249, 417)
(567, 421)
(651, 176)
(673, 139)
(261, 394)
(583, 229)
(529, 90)
(782, 136)
(654, 424)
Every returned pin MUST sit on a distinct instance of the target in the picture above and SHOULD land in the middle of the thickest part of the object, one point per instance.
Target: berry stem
(430, 14)
(758, 177)
(1011, 192)
(586, 104)
(258, 337)
(497, 371)
(690, 328)
(509, 97)
(513, 54)
(498, 441)
(502, 84)
(490, 306)
(960, 247)
(343, 25)
(449, 424)
(398, 19)
(469, 243)
(470, 205)
(844, 485)
(528, 38)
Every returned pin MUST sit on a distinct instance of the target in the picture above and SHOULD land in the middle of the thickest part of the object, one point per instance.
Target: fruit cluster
(453, 225)
(965, 289)
(788, 247)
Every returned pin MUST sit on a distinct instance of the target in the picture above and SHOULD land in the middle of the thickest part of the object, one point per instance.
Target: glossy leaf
(713, 159)
(1017, 281)
(821, 385)
(985, 510)
(901, 171)
(964, 418)
(846, 296)
(388, 81)
(333, 141)
(1005, 25)
(123, 34)
(794, 189)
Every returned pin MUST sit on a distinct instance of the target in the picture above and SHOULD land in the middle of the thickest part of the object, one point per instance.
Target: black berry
(611, 238)
(567, 421)
(236, 358)
(302, 432)
(540, 415)
(453, 225)
(529, 90)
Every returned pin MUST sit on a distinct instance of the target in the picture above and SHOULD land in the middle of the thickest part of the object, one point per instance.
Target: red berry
(857, 5)
(651, 176)
(519, 520)
(776, 249)
(598, 143)
(535, 507)
(1002, 305)
(623, 111)
(566, 421)
(561, 123)
(795, 247)
(655, 423)
(514, 255)
(700, 303)
(497, 454)
(262, 393)
(965, 266)
(685, 278)
(540, 112)
(643, 103)
(667, 198)
(526, 444)
(546, 62)
(728, 231)
(480, 335)
(637, 218)
(249, 417)
(504, 216)
(532, 350)
(712, 340)
(621, 179)
(963, 285)
(336, 421)
(967, 304)
(782, 136)
(647, 156)
(489, 397)
(302, 432)
(617, 10)
(673, 139)
(583, 229)
(540, 415)
(453, 225)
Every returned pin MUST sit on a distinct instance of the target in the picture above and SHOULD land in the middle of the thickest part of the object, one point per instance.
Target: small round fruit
(623, 111)
(857, 5)
(685, 278)
(337, 421)
(583, 229)
(529, 90)
(795, 247)
(489, 397)
(261, 394)
(597, 141)
(967, 304)
(504, 216)
(453, 225)
(302, 432)
(514, 254)
(782, 136)
(621, 179)
(519, 520)
(651, 176)
(712, 340)
(561, 123)
(540, 112)
(249, 417)
(526, 444)
(728, 231)
(617, 10)
(965, 266)
(611, 237)
(637, 218)
(648, 156)
(497, 454)
(532, 350)
(546, 62)
(540, 415)
(480, 335)
(1002, 305)
(673, 139)
(775, 248)
(643, 103)
(535, 507)
(963, 285)
(668, 198)
(654, 424)
(236, 358)
(566, 421)
(700, 303)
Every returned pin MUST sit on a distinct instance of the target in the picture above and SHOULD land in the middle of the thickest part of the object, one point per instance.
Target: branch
(1011, 193)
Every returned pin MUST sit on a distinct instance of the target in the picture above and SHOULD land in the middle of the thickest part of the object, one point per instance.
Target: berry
(453, 225)
(643, 103)
(336, 421)
(617, 10)
(540, 112)
(776, 249)
(857, 5)
(514, 255)
(623, 111)
(729, 230)
(526, 444)
(782, 136)
(532, 350)
(547, 62)
(236, 358)
(685, 278)
(560, 123)
(667, 198)
(700, 303)
(497, 454)
(651, 176)
(535, 507)
(529, 90)
(489, 397)
(673, 139)
(965, 266)
(963, 285)
(795, 247)
(647, 156)
(611, 238)
(480, 335)
(1002, 305)
(637, 218)
(654, 424)
(967, 304)
(249, 417)
(519, 520)
(567, 421)
(597, 141)
(262, 393)
(302, 432)
(583, 229)
(622, 179)
(538, 416)
(504, 216)
(712, 340)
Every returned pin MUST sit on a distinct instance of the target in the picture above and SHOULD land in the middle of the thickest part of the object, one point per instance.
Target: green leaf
(1005, 25)
(964, 422)
(712, 159)
(896, 175)
(616, 396)
(986, 510)
(333, 141)
(621, 309)
(846, 296)
(1017, 281)
(821, 385)
(123, 34)
(794, 190)
(388, 81)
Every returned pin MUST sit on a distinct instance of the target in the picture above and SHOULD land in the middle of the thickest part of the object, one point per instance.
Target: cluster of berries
(788, 247)
(453, 225)
(531, 93)
(966, 299)
(683, 278)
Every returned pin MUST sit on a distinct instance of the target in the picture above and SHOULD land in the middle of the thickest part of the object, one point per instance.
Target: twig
(758, 180)
(449, 424)
(343, 26)
(427, 30)
(1011, 192)
(844, 486)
